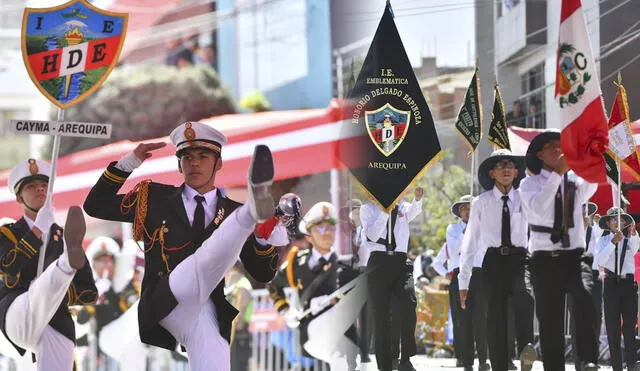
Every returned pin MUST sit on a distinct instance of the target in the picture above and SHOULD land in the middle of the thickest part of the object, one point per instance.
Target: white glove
(279, 236)
(103, 285)
(291, 318)
(129, 162)
(317, 304)
(45, 219)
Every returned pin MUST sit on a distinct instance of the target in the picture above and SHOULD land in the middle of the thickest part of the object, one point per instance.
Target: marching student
(615, 255)
(34, 310)
(497, 231)
(552, 199)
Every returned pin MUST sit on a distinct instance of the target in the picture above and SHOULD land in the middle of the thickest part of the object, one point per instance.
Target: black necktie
(320, 266)
(557, 217)
(198, 215)
(622, 254)
(589, 230)
(506, 222)
(394, 215)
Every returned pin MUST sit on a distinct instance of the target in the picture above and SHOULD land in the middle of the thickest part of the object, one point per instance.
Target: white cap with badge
(28, 170)
(194, 134)
(320, 212)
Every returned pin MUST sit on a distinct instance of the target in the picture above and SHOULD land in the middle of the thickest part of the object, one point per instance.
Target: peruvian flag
(622, 144)
(584, 136)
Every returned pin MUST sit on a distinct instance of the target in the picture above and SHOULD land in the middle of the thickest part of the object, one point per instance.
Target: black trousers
(596, 294)
(390, 279)
(472, 321)
(621, 303)
(454, 305)
(506, 276)
(554, 276)
(241, 350)
(365, 327)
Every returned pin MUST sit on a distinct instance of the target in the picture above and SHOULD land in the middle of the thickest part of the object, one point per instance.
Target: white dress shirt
(450, 251)
(485, 229)
(538, 199)
(363, 249)
(607, 256)
(374, 225)
(316, 256)
(190, 203)
(592, 244)
(30, 222)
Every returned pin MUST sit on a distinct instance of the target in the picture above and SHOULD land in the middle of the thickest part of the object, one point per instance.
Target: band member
(552, 199)
(615, 255)
(192, 235)
(389, 277)
(113, 270)
(468, 325)
(592, 233)
(34, 313)
(497, 230)
(238, 293)
(314, 273)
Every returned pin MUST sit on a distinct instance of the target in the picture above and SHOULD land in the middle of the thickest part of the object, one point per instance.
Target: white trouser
(193, 321)
(28, 316)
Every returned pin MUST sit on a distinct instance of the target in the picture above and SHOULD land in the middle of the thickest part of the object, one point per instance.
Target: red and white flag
(584, 136)
(622, 144)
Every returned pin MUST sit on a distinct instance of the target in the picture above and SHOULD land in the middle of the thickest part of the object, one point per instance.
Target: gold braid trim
(86, 297)
(293, 252)
(30, 248)
(15, 283)
(137, 197)
(114, 178)
(266, 252)
(280, 303)
(5, 231)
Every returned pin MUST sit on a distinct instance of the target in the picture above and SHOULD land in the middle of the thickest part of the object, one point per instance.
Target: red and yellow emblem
(69, 50)
(189, 133)
(33, 167)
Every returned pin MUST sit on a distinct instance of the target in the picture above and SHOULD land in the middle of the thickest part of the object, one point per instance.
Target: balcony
(520, 29)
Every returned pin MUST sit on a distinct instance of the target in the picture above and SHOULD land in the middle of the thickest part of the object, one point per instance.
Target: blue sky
(442, 28)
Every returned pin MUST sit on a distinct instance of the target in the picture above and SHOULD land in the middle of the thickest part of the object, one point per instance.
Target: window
(534, 103)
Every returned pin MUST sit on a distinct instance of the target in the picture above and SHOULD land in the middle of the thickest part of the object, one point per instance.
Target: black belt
(612, 276)
(390, 253)
(508, 250)
(556, 253)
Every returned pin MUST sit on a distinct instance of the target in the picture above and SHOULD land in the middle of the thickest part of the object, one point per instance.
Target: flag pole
(473, 156)
(52, 177)
(619, 194)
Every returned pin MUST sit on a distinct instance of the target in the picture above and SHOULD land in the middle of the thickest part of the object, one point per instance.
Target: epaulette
(6, 231)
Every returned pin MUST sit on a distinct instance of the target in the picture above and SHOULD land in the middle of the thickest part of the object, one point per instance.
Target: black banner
(469, 122)
(498, 134)
(395, 140)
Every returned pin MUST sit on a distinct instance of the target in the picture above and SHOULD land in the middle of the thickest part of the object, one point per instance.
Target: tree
(442, 187)
(148, 102)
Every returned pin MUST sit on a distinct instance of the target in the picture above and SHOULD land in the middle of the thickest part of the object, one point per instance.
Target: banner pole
(619, 193)
(52, 177)
(473, 156)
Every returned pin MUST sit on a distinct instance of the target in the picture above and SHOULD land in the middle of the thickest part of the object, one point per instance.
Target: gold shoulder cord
(291, 257)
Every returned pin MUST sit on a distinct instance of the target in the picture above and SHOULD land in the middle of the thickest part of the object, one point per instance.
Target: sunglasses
(504, 164)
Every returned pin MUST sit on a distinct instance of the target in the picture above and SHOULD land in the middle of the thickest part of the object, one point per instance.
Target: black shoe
(590, 367)
(527, 357)
(484, 366)
(511, 366)
(406, 366)
(365, 359)
(459, 363)
(468, 368)
(259, 186)
(74, 231)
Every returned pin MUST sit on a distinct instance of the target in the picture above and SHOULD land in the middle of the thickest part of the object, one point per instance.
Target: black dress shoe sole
(74, 230)
(261, 175)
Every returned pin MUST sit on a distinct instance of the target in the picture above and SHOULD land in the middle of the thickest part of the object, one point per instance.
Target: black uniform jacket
(160, 220)
(19, 254)
(323, 279)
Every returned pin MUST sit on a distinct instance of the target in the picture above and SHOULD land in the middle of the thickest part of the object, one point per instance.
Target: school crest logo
(69, 50)
(572, 77)
(387, 127)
